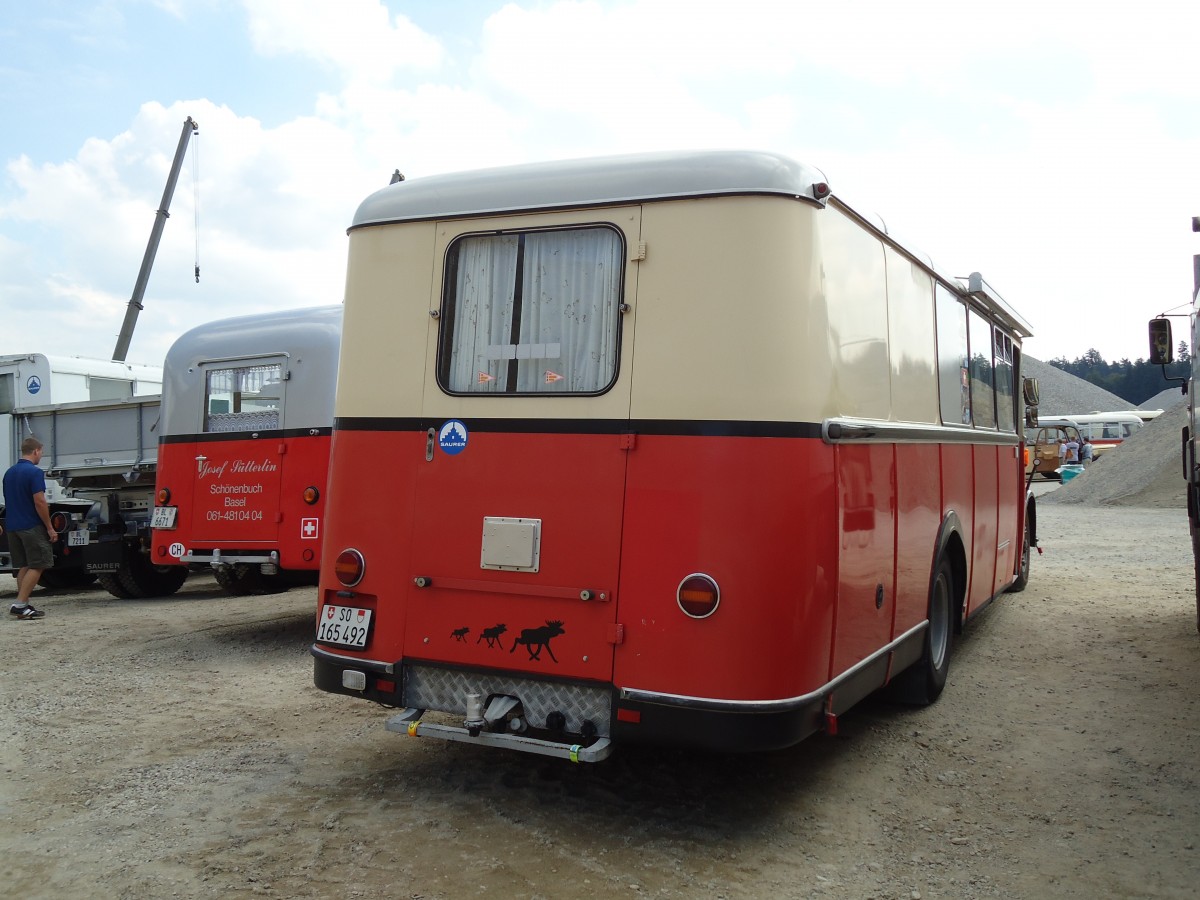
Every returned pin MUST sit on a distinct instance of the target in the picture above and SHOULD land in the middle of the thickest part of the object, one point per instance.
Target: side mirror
(1160, 342)
(1032, 391)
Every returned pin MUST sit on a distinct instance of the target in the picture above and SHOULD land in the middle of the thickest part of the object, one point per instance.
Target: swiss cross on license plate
(346, 626)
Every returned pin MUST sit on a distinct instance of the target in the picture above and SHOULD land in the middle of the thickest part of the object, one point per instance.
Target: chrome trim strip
(843, 430)
(353, 662)
(770, 706)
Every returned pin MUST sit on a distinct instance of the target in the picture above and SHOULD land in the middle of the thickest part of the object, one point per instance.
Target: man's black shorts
(31, 547)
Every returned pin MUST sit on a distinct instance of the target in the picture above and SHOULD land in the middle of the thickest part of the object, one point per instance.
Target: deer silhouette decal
(460, 634)
(538, 639)
(492, 635)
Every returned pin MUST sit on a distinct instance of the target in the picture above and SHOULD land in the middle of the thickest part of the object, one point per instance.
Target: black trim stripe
(692, 428)
(889, 432)
(276, 434)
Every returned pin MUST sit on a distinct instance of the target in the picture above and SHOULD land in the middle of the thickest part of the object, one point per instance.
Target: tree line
(1136, 381)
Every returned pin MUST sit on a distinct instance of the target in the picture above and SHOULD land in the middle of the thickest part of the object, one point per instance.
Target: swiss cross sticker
(309, 529)
(329, 612)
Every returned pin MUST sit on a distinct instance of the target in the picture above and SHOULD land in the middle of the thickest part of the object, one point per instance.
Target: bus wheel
(1022, 578)
(246, 580)
(922, 682)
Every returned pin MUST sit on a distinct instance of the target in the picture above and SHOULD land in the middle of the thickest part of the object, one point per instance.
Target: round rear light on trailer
(311, 495)
(163, 496)
(349, 567)
(58, 521)
(698, 596)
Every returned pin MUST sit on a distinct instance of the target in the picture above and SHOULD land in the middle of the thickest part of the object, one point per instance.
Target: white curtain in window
(570, 296)
(571, 287)
(487, 268)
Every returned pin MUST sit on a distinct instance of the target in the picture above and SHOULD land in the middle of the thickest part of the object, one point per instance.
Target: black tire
(922, 683)
(112, 583)
(247, 580)
(141, 579)
(66, 579)
(1026, 555)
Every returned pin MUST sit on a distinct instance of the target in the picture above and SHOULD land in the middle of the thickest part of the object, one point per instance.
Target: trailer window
(109, 388)
(243, 398)
(8, 396)
(531, 312)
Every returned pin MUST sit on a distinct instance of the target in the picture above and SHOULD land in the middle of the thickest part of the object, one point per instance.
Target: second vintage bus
(680, 449)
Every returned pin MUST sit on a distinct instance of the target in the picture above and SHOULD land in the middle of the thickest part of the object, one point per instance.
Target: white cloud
(358, 37)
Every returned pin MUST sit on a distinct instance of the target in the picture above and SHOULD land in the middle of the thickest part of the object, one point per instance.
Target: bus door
(519, 495)
(866, 600)
(240, 456)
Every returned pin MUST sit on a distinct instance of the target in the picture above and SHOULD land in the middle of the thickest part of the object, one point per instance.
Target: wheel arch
(950, 545)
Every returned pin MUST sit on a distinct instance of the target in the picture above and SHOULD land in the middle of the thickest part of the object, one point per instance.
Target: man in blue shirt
(27, 521)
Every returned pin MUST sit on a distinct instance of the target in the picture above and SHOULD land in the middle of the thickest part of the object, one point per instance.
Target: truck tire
(111, 583)
(922, 682)
(141, 579)
(247, 580)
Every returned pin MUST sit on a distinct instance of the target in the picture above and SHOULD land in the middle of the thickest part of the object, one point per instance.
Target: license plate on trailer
(163, 517)
(346, 626)
(77, 538)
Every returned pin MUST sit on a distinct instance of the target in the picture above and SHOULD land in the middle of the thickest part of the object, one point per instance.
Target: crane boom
(160, 220)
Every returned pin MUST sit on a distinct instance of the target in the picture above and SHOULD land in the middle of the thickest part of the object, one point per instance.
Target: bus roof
(596, 181)
(634, 178)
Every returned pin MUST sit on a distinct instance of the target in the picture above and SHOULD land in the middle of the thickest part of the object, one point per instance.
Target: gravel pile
(1144, 471)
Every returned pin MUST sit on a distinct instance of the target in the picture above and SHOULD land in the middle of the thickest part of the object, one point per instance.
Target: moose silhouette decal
(460, 634)
(538, 639)
(492, 635)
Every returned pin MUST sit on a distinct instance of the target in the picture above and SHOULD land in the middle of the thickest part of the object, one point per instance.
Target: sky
(1052, 146)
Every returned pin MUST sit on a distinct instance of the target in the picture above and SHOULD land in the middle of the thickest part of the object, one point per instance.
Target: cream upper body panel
(744, 296)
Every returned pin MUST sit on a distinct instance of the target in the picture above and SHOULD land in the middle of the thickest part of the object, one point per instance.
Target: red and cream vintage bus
(680, 448)
(244, 451)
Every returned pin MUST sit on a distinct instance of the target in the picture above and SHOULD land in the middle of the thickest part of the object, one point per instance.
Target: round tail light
(698, 596)
(58, 521)
(349, 567)
(163, 496)
(311, 495)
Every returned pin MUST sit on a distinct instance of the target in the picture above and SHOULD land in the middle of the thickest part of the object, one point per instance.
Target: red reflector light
(163, 496)
(633, 716)
(308, 555)
(349, 566)
(311, 495)
(384, 685)
(698, 596)
(162, 550)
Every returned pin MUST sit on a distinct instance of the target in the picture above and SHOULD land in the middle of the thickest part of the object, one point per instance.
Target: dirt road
(177, 748)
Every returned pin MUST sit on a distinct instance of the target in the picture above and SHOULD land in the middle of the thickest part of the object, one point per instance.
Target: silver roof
(311, 338)
(598, 181)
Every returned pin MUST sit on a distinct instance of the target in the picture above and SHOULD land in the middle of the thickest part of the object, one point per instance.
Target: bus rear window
(243, 398)
(531, 312)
